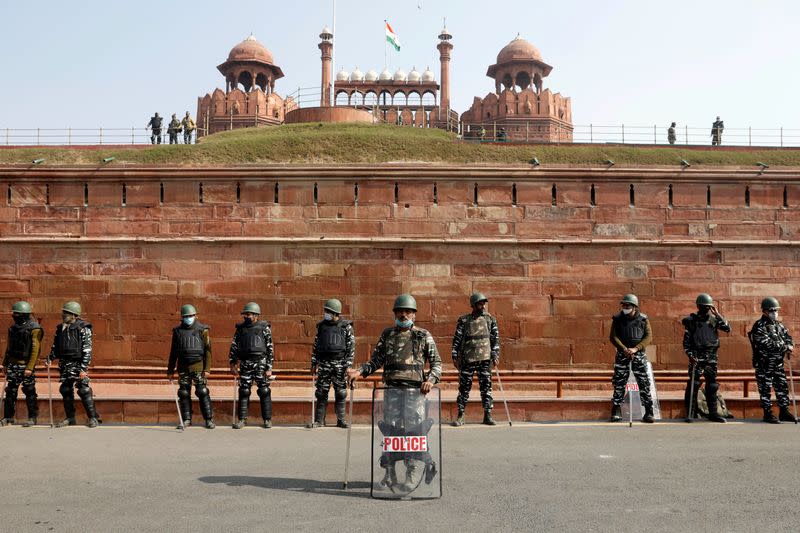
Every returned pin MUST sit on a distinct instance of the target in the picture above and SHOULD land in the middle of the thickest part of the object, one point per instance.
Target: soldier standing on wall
(72, 347)
(191, 350)
(476, 348)
(251, 359)
(24, 344)
(671, 134)
(701, 342)
(174, 129)
(771, 343)
(630, 335)
(332, 354)
(402, 351)
(188, 126)
(716, 132)
(155, 123)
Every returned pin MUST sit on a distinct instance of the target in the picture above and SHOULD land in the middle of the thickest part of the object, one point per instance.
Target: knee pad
(244, 392)
(264, 392)
(322, 397)
(201, 391)
(65, 389)
(184, 394)
(711, 389)
(84, 391)
(29, 390)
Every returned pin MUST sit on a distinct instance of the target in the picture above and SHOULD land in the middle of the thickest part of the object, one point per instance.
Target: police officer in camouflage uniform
(251, 359)
(476, 348)
(188, 126)
(701, 342)
(630, 335)
(191, 351)
(402, 352)
(24, 344)
(174, 129)
(332, 354)
(771, 342)
(72, 346)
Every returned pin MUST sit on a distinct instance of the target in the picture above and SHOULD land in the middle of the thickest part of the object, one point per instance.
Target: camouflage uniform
(332, 354)
(188, 126)
(403, 355)
(701, 342)
(22, 352)
(72, 346)
(191, 351)
(476, 347)
(716, 132)
(630, 332)
(173, 130)
(671, 134)
(770, 340)
(252, 348)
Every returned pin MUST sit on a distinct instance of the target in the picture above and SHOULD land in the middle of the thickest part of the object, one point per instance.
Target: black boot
(770, 418)
(616, 413)
(648, 417)
(88, 404)
(340, 419)
(487, 418)
(319, 414)
(205, 407)
(29, 423)
(240, 424)
(713, 414)
(785, 416)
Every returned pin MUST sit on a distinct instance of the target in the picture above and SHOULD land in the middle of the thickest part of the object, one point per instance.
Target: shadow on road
(334, 488)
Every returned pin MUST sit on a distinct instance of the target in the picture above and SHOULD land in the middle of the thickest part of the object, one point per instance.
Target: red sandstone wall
(554, 270)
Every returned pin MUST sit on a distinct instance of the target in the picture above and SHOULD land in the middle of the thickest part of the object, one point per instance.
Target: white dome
(371, 75)
(386, 75)
(400, 75)
(414, 76)
(356, 75)
(428, 75)
(342, 76)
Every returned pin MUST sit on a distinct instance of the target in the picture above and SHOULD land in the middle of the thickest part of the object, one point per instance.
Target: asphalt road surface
(532, 477)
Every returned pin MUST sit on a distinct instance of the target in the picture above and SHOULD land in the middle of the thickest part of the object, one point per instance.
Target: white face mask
(627, 311)
(773, 315)
(188, 320)
(327, 316)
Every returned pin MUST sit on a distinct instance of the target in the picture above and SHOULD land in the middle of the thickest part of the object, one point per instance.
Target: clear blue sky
(93, 63)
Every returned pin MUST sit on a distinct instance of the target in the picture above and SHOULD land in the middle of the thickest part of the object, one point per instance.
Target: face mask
(627, 311)
(188, 320)
(773, 315)
(404, 323)
(20, 319)
(327, 316)
(703, 311)
(248, 320)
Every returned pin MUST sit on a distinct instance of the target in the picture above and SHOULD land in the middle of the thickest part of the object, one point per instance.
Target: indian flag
(391, 37)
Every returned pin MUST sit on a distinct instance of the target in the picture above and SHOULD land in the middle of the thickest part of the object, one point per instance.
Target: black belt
(400, 366)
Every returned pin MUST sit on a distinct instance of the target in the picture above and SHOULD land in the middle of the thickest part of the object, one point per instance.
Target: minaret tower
(326, 47)
(444, 46)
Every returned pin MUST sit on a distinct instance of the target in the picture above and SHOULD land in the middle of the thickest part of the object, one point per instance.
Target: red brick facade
(553, 250)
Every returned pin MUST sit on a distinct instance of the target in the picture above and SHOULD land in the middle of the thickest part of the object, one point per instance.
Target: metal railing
(519, 131)
(522, 131)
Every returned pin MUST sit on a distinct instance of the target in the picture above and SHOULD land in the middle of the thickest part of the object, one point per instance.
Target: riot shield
(632, 406)
(653, 392)
(406, 444)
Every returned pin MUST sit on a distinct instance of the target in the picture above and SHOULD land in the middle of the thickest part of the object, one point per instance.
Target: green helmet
(704, 299)
(334, 306)
(477, 297)
(187, 310)
(770, 303)
(405, 301)
(250, 307)
(72, 307)
(630, 299)
(21, 307)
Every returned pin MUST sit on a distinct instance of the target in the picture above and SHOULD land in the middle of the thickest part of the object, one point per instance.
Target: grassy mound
(374, 144)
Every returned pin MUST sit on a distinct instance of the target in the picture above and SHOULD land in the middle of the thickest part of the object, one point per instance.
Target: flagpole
(333, 58)
(385, 48)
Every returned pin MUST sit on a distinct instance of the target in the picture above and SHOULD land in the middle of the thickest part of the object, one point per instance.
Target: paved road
(534, 477)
